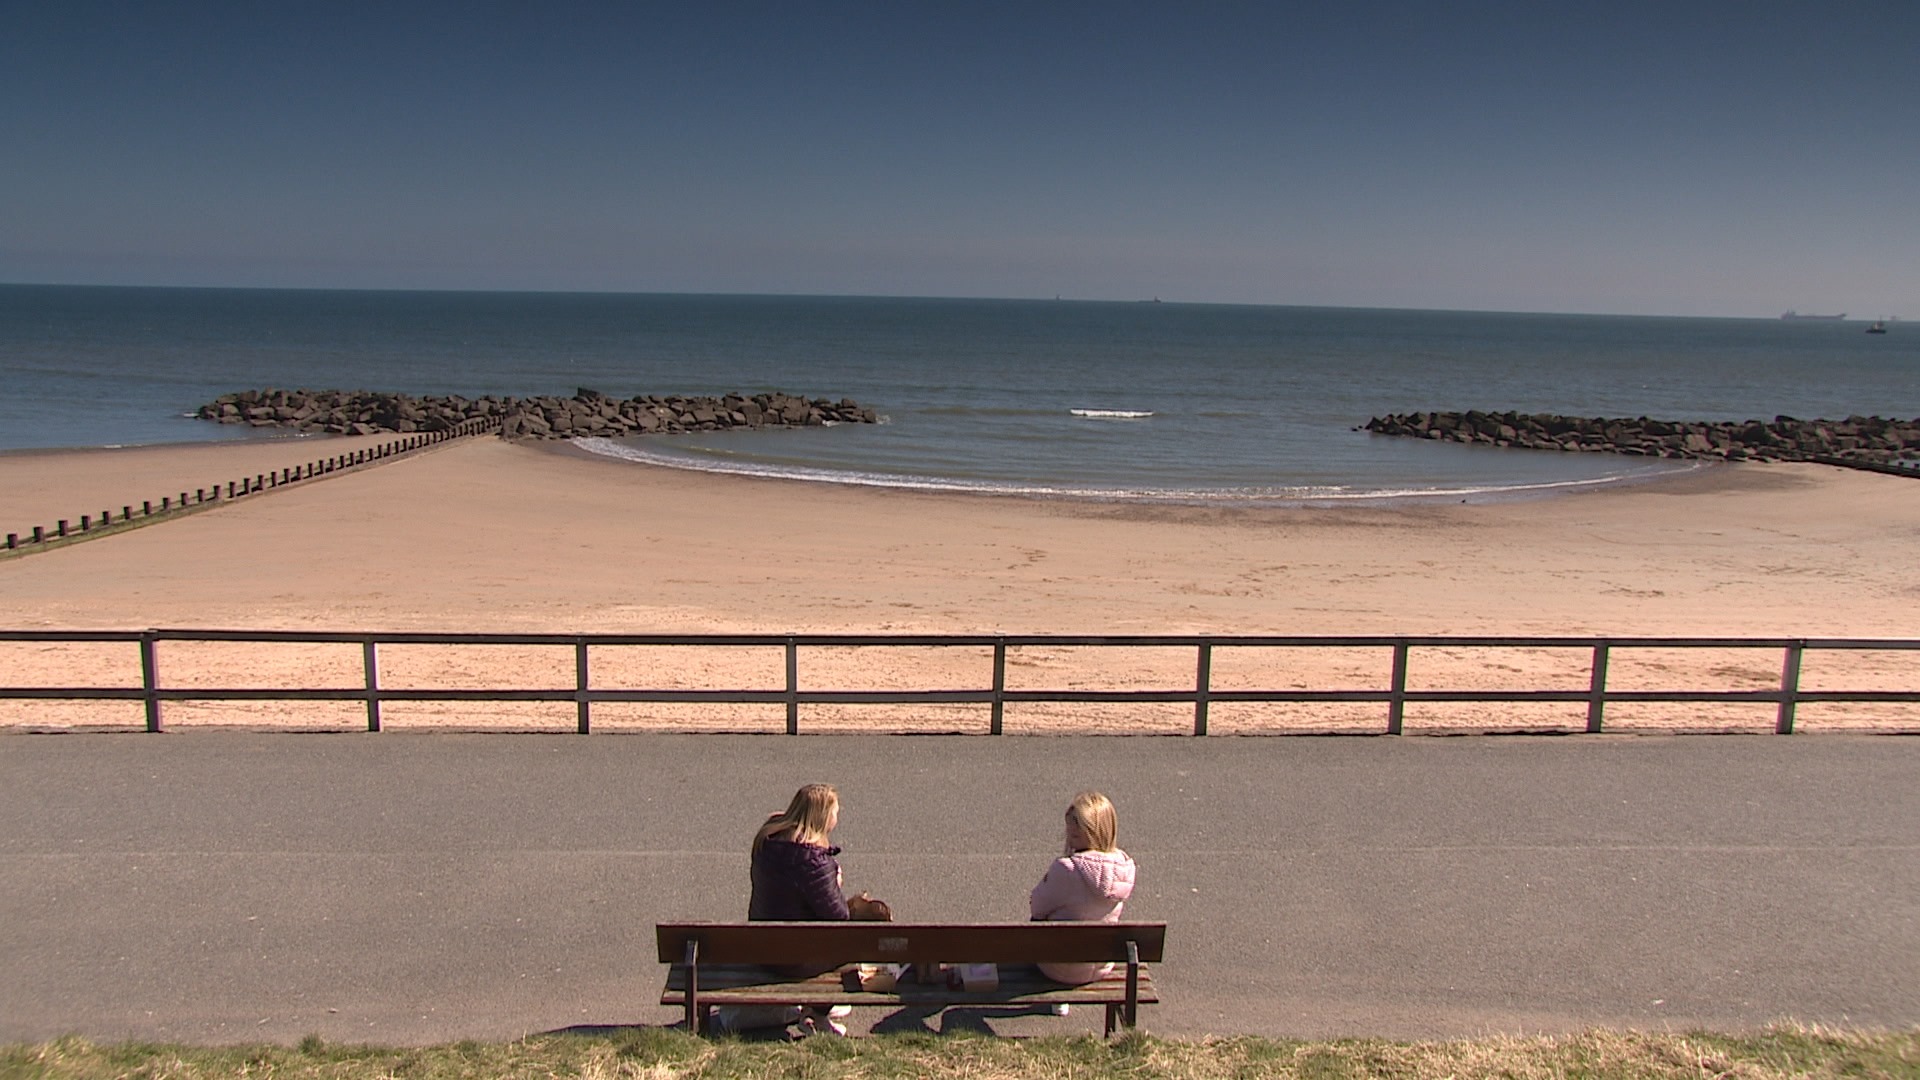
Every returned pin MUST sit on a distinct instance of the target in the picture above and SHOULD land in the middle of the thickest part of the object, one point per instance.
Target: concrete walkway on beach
(411, 888)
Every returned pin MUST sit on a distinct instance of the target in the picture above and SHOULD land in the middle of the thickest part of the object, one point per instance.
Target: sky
(1679, 157)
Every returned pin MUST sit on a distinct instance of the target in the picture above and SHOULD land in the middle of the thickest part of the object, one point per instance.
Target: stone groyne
(586, 413)
(1857, 439)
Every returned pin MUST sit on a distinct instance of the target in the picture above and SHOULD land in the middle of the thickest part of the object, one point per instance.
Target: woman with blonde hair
(795, 875)
(1091, 881)
(795, 879)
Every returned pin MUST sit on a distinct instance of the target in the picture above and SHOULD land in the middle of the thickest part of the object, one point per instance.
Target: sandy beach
(482, 535)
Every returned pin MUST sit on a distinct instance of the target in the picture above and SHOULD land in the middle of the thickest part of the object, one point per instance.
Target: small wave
(1111, 414)
(1279, 496)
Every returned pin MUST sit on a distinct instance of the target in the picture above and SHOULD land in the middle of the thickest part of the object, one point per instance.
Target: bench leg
(1132, 1015)
(696, 1014)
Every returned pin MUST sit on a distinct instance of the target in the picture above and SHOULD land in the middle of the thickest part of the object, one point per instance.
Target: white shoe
(1059, 1008)
(827, 1022)
(821, 1025)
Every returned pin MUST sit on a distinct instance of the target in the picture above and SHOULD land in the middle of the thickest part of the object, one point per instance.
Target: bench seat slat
(884, 942)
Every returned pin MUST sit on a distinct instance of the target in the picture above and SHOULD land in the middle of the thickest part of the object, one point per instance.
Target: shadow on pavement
(913, 1019)
(954, 1020)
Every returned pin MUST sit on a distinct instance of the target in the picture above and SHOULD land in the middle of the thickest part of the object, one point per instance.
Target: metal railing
(1396, 695)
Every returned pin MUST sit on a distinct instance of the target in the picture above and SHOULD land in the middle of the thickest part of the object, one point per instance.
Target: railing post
(1597, 689)
(580, 683)
(999, 686)
(1202, 683)
(1789, 688)
(1397, 691)
(150, 680)
(793, 686)
(370, 660)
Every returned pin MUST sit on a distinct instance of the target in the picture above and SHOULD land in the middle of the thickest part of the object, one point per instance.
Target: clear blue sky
(1679, 157)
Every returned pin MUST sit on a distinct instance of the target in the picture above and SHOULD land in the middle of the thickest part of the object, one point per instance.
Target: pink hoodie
(1088, 885)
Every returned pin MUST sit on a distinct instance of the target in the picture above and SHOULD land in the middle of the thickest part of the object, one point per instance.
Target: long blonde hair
(1093, 814)
(805, 820)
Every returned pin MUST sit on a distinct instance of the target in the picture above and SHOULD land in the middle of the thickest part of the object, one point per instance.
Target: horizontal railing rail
(1396, 695)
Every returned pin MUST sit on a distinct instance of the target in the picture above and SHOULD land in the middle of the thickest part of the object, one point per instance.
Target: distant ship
(1797, 315)
(1879, 327)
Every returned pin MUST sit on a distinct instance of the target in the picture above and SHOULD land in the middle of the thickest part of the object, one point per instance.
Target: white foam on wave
(1301, 495)
(1111, 414)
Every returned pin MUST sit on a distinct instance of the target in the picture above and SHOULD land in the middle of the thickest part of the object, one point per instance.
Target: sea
(1116, 401)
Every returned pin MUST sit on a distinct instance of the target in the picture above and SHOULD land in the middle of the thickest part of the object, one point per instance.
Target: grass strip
(662, 1054)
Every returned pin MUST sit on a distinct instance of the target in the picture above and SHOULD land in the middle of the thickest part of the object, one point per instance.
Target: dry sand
(481, 535)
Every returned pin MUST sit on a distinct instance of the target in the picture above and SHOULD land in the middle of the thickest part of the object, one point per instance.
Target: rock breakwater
(1867, 439)
(586, 413)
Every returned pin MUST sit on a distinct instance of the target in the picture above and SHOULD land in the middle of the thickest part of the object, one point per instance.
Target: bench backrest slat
(878, 942)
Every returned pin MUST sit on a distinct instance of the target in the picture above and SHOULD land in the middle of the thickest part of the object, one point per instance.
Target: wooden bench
(727, 963)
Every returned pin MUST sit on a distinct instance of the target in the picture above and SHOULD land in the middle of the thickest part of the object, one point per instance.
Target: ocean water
(1152, 401)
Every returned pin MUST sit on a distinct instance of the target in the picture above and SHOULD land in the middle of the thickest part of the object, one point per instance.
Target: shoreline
(287, 448)
(1701, 478)
(1223, 499)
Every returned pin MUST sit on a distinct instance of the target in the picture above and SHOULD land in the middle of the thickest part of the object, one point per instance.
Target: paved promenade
(220, 887)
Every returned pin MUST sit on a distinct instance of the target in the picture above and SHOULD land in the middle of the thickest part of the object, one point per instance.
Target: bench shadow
(611, 1031)
(604, 1031)
(909, 1019)
(954, 1019)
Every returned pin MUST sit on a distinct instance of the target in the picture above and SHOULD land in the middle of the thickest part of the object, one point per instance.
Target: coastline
(484, 535)
(1284, 498)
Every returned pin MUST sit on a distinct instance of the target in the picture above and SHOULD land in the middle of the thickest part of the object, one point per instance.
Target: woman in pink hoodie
(1091, 881)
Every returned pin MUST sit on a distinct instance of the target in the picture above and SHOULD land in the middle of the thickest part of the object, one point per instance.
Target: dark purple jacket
(795, 883)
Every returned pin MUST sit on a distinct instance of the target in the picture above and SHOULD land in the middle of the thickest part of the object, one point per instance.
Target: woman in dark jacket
(795, 875)
(795, 879)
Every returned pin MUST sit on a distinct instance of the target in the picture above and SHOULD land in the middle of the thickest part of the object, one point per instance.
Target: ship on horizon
(1797, 315)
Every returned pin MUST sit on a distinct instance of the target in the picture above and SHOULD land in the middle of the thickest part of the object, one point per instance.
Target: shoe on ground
(822, 1025)
(1059, 1008)
(819, 1021)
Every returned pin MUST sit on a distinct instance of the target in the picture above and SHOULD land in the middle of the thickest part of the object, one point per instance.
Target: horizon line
(743, 294)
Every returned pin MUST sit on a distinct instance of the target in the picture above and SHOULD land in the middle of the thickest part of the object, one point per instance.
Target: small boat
(1879, 327)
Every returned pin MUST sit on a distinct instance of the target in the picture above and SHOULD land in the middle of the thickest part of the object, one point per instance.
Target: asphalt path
(417, 888)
